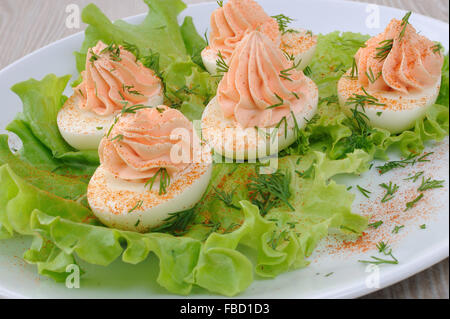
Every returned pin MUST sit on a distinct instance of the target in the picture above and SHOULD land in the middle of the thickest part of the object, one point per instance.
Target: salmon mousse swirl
(230, 23)
(399, 60)
(112, 76)
(262, 86)
(142, 142)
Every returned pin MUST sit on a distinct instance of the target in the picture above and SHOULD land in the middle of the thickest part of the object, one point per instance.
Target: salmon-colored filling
(413, 63)
(252, 89)
(140, 144)
(230, 23)
(113, 77)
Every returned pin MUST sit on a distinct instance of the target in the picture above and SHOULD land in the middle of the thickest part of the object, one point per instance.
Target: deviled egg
(152, 165)
(236, 18)
(396, 77)
(113, 78)
(261, 99)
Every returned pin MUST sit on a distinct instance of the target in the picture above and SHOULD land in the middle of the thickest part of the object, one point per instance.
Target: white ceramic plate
(334, 271)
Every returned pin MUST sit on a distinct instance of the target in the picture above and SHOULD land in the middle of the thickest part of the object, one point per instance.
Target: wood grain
(27, 25)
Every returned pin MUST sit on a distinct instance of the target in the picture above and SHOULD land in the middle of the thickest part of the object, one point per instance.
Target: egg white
(302, 55)
(82, 129)
(401, 111)
(115, 201)
(229, 139)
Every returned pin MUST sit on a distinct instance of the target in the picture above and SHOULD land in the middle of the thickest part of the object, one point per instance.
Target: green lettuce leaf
(36, 126)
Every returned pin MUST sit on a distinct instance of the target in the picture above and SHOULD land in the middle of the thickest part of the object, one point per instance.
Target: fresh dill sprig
(118, 138)
(412, 203)
(363, 191)
(177, 223)
(384, 49)
(332, 99)
(137, 206)
(363, 99)
(275, 239)
(133, 49)
(134, 108)
(290, 57)
(391, 189)
(412, 159)
(397, 229)
(283, 22)
(307, 71)
(94, 57)
(430, 184)
(152, 61)
(354, 70)
(130, 89)
(280, 103)
(285, 74)
(405, 22)
(114, 52)
(270, 190)
(226, 198)
(383, 248)
(222, 66)
(307, 173)
(437, 48)
(372, 78)
(415, 177)
(164, 180)
(377, 224)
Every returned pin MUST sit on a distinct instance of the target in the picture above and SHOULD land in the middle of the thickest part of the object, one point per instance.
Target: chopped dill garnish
(412, 203)
(222, 66)
(332, 99)
(137, 206)
(376, 224)
(132, 48)
(363, 191)
(118, 138)
(405, 22)
(397, 229)
(379, 114)
(384, 49)
(384, 249)
(164, 180)
(362, 100)
(283, 22)
(423, 226)
(220, 3)
(430, 184)
(285, 74)
(99, 128)
(307, 71)
(437, 48)
(134, 108)
(226, 198)
(290, 57)
(270, 190)
(114, 52)
(94, 57)
(177, 223)
(391, 189)
(372, 78)
(412, 159)
(130, 89)
(280, 103)
(307, 173)
(205, 36)
(152, 61)
(354, 70)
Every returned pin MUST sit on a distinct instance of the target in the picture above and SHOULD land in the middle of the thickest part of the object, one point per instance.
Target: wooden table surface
(27, 25)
